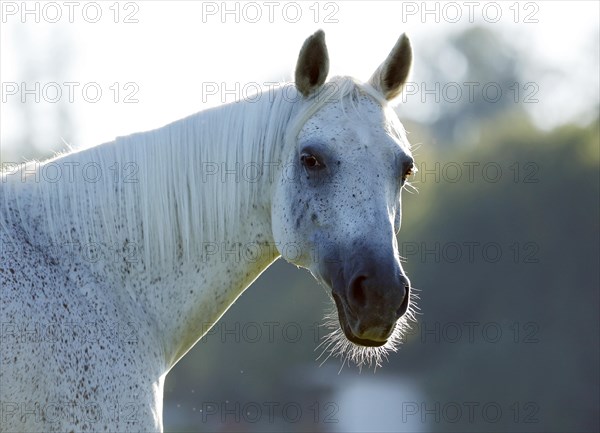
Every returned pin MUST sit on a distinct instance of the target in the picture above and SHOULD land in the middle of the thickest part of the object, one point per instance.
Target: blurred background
(502, 238)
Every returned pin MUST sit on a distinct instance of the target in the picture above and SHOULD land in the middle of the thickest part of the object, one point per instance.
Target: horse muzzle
(371, 301)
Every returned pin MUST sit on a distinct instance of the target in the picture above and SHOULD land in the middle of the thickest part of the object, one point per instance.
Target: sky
(112, 69)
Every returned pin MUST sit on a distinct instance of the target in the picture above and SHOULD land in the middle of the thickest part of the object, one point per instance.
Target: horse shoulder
(67, 344)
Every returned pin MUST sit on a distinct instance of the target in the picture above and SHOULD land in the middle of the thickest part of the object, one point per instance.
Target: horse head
(351, 160)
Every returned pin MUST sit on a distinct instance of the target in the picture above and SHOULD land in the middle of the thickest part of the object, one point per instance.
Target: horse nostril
(362, 294)
(357, 291)
(404, 306)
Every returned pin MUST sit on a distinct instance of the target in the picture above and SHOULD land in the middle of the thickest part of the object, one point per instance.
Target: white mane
(168, 209)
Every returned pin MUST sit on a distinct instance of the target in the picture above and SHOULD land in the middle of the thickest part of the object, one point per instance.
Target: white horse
(114, 259)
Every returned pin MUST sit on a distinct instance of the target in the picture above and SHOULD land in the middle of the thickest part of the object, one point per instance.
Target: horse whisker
(336, 345)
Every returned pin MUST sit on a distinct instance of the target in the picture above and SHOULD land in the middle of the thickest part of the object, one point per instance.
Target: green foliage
(541, 293)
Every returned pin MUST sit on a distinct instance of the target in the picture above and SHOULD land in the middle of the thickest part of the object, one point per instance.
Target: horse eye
(310, 161)
(409, 172)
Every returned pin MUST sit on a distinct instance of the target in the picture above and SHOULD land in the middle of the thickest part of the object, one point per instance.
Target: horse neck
(179, 214)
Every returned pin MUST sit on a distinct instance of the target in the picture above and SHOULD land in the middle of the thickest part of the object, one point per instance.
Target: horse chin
(348, 330)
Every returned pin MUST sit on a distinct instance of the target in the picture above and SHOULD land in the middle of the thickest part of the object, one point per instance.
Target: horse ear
(313, 64)
(391, 75)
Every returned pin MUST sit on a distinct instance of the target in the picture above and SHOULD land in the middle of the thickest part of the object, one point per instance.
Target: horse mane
(169, 197)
